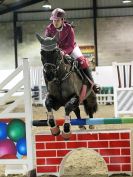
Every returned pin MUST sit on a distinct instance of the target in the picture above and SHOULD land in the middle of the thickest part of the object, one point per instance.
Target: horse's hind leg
(91, 117)
(51, 121)
(90, 106)
(70, 106)
(77, 113)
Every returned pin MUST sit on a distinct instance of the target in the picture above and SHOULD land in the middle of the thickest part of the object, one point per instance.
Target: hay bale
(83, 162)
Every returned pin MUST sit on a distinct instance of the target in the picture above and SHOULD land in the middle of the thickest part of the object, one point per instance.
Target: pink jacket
(66, 37)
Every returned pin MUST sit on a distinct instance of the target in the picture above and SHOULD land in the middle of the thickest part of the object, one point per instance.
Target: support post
(95, 29)
(28, 112)
(15, 38)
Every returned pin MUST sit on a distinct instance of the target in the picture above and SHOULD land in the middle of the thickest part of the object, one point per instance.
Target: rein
(71, 68)
(74, 65)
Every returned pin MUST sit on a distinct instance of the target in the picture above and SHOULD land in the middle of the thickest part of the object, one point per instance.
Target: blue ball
(21, 146)
(3, 130)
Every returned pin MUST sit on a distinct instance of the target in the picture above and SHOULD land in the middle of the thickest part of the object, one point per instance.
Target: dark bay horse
(64, 86)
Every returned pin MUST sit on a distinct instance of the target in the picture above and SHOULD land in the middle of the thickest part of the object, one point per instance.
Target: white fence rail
(123, 88)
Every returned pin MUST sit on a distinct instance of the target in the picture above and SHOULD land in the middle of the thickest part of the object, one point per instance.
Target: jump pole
(88, 121)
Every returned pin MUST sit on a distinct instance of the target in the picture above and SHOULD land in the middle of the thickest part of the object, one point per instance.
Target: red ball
(8, 156)
(7, 146)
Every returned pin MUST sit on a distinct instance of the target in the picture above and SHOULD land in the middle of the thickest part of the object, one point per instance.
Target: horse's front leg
(77, 113)
(70, 106)
(49, 103)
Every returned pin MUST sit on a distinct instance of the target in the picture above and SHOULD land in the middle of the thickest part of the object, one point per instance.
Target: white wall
(114, 40)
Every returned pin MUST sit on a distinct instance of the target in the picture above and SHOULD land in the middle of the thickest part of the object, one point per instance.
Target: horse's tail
(90, 105)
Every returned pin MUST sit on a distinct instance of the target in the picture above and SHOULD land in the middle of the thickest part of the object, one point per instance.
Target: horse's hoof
(66, 133)
(55, 130)
(66, 136)
(82, 127)
(91, 127)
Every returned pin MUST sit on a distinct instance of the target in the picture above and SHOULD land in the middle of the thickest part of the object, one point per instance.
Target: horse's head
(50, 56)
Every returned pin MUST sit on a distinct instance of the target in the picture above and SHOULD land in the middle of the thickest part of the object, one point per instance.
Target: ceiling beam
(74, 9)
(16, 6)
(114, 7)
(66, 9)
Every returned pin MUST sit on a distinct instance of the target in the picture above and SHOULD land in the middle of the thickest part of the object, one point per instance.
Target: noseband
(52, 67)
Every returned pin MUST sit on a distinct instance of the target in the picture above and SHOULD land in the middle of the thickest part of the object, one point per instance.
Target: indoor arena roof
(76, 8)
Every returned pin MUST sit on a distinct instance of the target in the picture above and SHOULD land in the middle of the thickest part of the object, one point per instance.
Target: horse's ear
(41, 39)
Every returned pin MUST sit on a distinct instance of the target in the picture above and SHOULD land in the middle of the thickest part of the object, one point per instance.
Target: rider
(65, 36)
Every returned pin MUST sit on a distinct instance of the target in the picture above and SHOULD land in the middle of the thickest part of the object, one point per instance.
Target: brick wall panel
(46, 153)
(76, 144)
(119, 143)
(45, 138)
(56, 145)
(114, 147)
(87, 136)
(40, 146)
(108, 136)
(120, 159)
(126, 167)
(62, 153)
(124, 135)
(46, 169)
(53, 161)
(109, 152)
(60, 138)
(112, 168)
(125, 151)
(98, 144)
(41, 161)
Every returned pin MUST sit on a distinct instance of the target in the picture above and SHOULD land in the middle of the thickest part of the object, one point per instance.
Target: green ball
(16, 129)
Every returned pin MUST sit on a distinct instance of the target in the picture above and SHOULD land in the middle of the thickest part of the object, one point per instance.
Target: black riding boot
(87, 72)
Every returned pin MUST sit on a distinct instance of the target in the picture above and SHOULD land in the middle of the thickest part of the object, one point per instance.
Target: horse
(64, 84)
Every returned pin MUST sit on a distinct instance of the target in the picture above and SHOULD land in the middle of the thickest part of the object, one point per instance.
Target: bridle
(54, 68)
